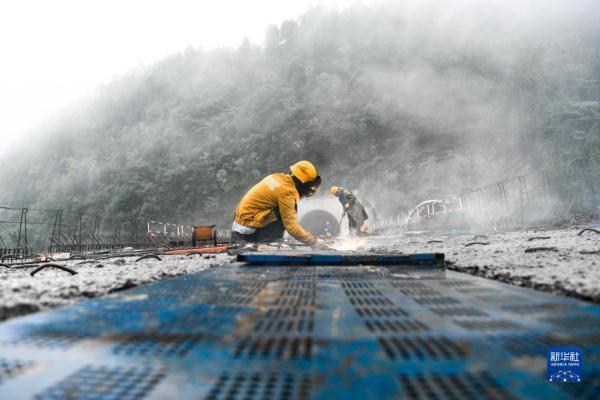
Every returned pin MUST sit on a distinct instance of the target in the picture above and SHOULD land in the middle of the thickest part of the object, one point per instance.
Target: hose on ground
(61, 267)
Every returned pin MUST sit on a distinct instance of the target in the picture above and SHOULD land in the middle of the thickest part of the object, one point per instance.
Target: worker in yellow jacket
(269, 208)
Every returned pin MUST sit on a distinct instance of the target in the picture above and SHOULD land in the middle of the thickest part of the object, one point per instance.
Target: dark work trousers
(267, 234)
(352, 225)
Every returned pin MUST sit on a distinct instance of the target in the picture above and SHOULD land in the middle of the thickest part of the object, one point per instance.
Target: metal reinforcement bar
(62, 231)
(81, 241)
(19, 248)
(314, 332)
(544, 197)
(68, 231)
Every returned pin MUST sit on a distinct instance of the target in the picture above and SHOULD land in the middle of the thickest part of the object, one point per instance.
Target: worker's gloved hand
(320, 244)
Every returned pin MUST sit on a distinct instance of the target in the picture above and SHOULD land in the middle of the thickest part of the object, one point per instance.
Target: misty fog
(403, 102)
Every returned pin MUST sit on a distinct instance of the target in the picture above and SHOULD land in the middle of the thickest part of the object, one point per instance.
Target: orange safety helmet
(334, 190)
(304, 171)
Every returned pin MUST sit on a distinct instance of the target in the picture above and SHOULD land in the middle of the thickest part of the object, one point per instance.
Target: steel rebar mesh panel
(270, 332)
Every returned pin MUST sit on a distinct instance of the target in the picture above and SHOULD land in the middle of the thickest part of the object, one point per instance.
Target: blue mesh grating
(101, 382)
(396, 326)
(453, 386)
(275, 348)
(257, 385)
(48, 338)
(157, 345)
(534, 308)
(441, 300)
(203, 319)
(529, 345)
(484, 290)
(415, 289)
(500, 298)
(457, 311)
(485, 325)
(577, 322)
(454, 283)
(422, 348)
(239, 332)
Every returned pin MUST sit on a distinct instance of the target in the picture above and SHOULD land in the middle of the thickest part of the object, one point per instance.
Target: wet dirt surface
(557, 261)
(20, 293)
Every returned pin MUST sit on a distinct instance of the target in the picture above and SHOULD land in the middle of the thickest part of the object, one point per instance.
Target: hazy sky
(53, 53)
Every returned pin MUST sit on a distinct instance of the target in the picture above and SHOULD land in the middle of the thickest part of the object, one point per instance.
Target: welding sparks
(349, 244)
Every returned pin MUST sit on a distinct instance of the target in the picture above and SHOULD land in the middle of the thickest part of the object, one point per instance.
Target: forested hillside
(399, 104)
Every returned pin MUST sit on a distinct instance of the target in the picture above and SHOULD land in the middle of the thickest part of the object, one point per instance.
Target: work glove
(320, 244)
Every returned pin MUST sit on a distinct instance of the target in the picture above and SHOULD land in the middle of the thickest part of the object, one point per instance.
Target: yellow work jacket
(256, 209)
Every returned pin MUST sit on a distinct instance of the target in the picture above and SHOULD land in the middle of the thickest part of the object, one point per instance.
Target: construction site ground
(22, 294)
(244, 331)
(559, 261)
(568, 264)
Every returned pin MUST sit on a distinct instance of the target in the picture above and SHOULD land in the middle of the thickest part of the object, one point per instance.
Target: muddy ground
(22, 294)
(557, 261)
